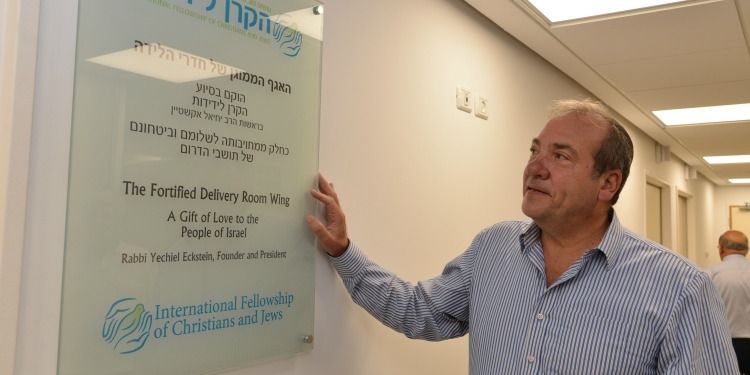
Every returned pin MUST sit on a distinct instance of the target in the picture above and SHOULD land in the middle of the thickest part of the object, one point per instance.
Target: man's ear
(610, 182)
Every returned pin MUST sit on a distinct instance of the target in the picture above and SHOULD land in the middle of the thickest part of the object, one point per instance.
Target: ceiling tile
(732, 170)
(680, 30)
(731, 138)
(715, 66)
(736, 92)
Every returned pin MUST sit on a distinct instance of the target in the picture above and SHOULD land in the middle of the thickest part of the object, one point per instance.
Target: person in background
(732, 278)
(567, 291)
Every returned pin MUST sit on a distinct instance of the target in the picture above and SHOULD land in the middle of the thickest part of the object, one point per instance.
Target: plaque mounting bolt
(307, 339)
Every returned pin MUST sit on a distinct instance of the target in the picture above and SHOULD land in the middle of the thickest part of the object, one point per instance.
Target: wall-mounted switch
(464, 100)
(480, 109)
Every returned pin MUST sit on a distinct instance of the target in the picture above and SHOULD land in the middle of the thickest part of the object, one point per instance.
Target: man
(569, 291)
(732, 278)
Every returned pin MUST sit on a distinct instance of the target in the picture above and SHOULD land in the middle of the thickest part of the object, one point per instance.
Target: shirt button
(540, 316)
(530, 358)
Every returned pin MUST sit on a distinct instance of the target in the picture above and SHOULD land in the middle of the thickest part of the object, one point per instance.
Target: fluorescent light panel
(704, 115)
(557, 11)
(179, 69)
(728, 159)
(740, 180)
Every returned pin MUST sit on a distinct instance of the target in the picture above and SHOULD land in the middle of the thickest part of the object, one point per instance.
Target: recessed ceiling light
(165, 63)
(728, 159)
(557, 11)
(740, 180)
(704, 115)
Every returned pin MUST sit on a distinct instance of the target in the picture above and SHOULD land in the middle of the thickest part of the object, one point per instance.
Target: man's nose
(538, 166)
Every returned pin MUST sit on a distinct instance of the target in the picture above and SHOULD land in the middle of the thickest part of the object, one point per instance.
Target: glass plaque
(194, 146)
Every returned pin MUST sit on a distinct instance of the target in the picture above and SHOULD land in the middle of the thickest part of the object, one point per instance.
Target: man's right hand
(332, 236)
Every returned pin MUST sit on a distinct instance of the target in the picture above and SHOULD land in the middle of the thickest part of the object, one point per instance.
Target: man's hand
(333, 236)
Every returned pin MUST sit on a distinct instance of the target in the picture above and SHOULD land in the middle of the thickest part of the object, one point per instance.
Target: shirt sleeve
(697, 339)
(434, 309)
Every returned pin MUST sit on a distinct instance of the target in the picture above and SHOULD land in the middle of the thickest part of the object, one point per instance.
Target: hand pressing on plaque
(332, 235)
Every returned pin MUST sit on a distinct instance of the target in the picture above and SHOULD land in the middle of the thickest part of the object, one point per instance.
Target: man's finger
(315, 224)
(326, 188)
(323, 198)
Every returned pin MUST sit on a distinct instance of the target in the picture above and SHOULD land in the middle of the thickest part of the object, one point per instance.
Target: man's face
(557, 183)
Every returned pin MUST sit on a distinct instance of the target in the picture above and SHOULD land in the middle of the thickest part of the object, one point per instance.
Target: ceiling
(689, 54)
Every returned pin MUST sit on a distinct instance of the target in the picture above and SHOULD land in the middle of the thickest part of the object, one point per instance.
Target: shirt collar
(610, 245)
(734, 258)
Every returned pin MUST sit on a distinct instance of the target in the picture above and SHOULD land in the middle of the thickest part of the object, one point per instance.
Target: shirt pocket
(584, 342)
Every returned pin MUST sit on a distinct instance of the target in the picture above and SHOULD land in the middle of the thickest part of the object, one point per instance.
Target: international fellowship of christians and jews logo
(251, 16)
(128, 323)
(127, 326)
(287, 36)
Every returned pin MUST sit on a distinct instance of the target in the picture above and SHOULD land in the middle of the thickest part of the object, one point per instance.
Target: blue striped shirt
(629, 306)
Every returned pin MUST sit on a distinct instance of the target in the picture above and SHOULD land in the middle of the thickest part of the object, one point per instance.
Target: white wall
(417, 177)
